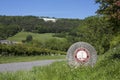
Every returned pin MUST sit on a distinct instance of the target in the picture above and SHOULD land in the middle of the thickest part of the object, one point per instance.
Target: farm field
(37, 37)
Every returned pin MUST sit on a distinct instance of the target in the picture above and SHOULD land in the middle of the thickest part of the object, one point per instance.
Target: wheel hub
(81, 55)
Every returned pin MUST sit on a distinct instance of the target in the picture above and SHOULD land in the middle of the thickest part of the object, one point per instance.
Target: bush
(57, 44)
(29, 38)
(115, 41)
(22, 50)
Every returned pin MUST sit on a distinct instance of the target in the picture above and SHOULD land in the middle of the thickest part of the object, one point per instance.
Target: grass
(10, 59)
(106, 68)
(38, 37)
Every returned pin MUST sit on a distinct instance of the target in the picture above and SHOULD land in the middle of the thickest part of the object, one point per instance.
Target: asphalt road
(11, 67)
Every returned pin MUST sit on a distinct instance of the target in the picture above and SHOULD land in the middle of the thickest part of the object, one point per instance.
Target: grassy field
(10, 59)
(39, 37)
(107, 68)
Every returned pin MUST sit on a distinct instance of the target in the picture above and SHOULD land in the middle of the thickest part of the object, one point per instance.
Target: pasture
(37, 37)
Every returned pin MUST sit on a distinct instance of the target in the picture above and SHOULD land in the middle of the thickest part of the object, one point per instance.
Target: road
(12, 67)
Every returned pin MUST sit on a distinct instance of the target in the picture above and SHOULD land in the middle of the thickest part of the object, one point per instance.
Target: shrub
(29, 38)
(22, 50)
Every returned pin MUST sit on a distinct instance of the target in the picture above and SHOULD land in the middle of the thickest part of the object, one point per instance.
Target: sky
(50, 8)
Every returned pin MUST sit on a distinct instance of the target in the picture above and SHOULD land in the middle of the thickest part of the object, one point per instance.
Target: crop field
(107, 68)
(38, 37)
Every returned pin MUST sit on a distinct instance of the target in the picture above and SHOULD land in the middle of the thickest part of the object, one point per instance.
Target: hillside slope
(38, 37)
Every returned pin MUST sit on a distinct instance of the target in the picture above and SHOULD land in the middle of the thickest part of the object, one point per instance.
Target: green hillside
(39, 37)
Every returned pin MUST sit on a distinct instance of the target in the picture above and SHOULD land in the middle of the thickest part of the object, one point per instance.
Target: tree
(111, 9)
(29, 38)
(94, 30)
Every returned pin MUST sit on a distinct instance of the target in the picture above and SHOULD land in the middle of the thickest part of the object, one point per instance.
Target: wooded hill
(10, 25)
(95, 30)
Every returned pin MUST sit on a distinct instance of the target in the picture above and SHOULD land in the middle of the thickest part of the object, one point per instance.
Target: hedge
(22, 50)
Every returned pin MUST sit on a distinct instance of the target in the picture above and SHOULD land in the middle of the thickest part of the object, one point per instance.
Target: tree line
(10, 25)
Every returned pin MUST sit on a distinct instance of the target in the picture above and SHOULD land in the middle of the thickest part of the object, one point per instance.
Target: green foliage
(56, 44)
(107, 68)
(94, 30)
(22, 50)
(115, 40)
(8, 30)
(111, 10)
(14, 24)
(113, 53)
(46, 40)
(29, 38)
